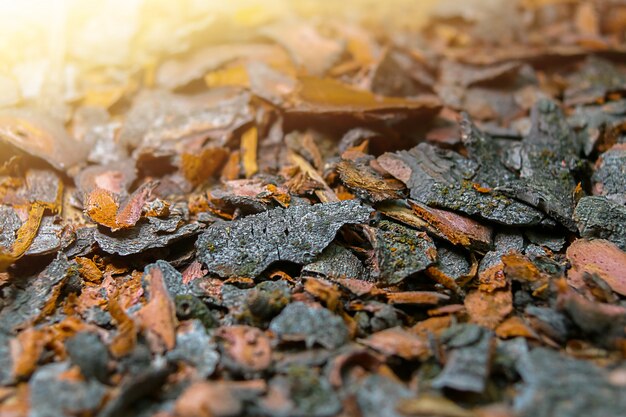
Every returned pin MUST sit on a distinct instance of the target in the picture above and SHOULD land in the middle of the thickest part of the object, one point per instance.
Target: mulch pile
(328, 219)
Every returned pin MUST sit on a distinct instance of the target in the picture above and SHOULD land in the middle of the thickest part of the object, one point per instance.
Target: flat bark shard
(596, 79)
(336, 263)
(456, 228)
(444, 179)
(484, 149)
(468, 365)
(378, 396)
(559, 386)
(90, 354)
(304, 392)
(610, 175)
(53, 395)
(398, 252)
(41, 135)
(162, 120)
(598, 257)
(297, 234)
(150, 234)
(310, 324)
(29, 302)
(549, 157)
(158, 316)
(369, 184)
(196, 348)
(600, 218)
(453, 269)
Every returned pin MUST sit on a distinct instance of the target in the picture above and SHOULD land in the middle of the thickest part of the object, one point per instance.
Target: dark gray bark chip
(549, 158)
(443, 178)
(469, 359)
(601, 218)
(558, 386)
(154, 233)
(297, 234)
(398, 252)
(313, 325)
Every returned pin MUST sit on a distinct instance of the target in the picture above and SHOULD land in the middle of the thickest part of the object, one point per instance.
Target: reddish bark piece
(416, 297)
(248, 347)
(432, 325)
(325, 96)
(397, 342)
(25, 236)
(458, 229)
(360, 358)
(599, 257)
(89, 270)
(362, 179)
(489, 308)
(130, 211)
(515, 327)
(199, 167)
(26, 349)
(126, 339)
(158, 316)
(519, 268)
(492, 278)
(426, 405)
(217, 399)
(193, 271)
(102, 207)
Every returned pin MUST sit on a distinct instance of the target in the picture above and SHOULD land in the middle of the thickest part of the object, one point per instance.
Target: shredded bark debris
(329, 215)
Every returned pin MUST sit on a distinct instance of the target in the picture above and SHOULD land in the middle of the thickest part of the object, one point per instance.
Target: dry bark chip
(610, 175)
(297, 234)
(218, 398)
(159, 119)
(146, 234)
(453, 269)
(336, 263)
(398, 252)
(90, 354)
(53, 393)
(457, 229)
(378, 396)
(489, 308)
(428, 405)
(367, 183)
(43, 136)
(599, 217)
(598, 257)
(397, 341)
(558, 386)
(313, 325)
(603, 323)
(326, 96)
(418, 298)
(245, 349)
(301, 392)
(444, 178)
(158, 316)
(549, 157)
(28, 303)
(196, 348)
(307, 47)
(596, 79)
(469, 359)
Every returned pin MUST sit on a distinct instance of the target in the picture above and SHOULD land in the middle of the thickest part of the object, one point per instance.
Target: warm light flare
(57, 51)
